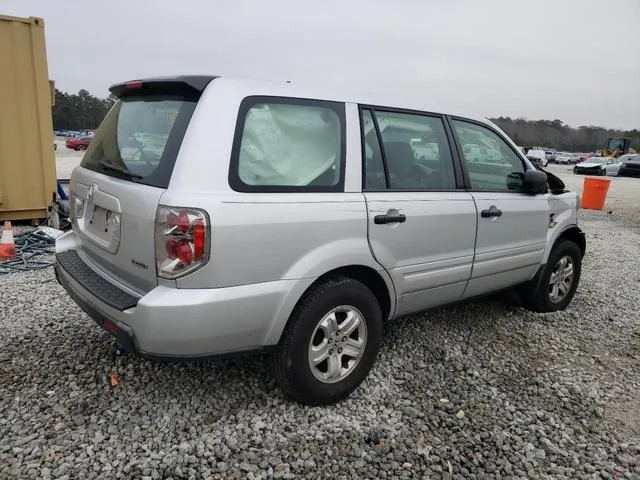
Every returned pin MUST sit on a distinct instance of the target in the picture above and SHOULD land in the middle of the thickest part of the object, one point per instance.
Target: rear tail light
(182, 241)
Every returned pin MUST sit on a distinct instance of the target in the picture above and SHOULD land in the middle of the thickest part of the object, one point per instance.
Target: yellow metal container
(27, 159)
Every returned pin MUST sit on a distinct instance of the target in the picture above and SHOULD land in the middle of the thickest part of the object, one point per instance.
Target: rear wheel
(330, 342)
(559, 280)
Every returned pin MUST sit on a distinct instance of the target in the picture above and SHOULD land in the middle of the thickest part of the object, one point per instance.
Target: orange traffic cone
(7, 245)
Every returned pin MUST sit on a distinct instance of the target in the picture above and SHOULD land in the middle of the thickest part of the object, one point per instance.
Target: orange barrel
(594, 192)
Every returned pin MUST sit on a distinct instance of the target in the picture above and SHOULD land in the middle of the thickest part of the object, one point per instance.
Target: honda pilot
(214, 215)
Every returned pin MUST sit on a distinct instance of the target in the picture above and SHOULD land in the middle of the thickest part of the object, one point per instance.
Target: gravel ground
(478, 390)
(66, 160)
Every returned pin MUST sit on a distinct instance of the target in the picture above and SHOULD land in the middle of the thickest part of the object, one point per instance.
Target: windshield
(139, 138)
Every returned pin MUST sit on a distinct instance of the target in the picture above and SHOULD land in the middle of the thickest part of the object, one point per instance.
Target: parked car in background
(629, 165)
(612, 166)
(424, 150)
(538, 157)
(563, 158)
(78, 143)
(584, 156)
(594, 166)
(471, 151)
(550, 155)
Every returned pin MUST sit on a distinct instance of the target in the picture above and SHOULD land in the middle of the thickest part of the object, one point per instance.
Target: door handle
(382, 219)
(493, 211)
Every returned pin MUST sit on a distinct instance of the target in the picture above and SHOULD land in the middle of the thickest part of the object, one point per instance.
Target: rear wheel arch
(382, 289)
(369, 277)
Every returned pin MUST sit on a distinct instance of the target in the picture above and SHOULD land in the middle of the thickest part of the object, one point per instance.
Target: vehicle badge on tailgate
(139, 264)
(92, 191)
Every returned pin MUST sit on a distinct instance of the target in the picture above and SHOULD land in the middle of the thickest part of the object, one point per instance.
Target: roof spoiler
(183, 84)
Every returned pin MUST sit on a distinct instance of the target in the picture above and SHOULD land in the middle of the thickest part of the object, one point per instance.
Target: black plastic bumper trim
(108, 293)
(125, 338)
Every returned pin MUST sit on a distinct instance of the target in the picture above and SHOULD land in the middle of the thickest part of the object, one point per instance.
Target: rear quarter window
(288, 145)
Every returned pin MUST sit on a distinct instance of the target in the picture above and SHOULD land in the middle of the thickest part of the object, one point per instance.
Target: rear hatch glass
(122, 177)
(140, 137)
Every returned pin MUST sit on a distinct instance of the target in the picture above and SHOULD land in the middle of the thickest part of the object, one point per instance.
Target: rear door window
(288, 144)
(411, 152)
(140, 137)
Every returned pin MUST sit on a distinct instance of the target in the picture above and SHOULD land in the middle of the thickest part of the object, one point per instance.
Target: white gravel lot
(477, 390)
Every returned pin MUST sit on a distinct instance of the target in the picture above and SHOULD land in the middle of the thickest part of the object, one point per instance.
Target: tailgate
(117, 187)
(116, 229)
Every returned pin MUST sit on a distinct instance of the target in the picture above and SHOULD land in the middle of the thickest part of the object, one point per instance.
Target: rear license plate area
(97, 222)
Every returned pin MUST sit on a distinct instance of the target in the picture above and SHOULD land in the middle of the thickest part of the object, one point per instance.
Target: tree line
(555, 134)
(79, 111)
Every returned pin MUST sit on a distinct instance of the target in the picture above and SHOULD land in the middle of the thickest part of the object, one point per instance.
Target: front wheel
(603, 172)
(559, 280)
(330, 342)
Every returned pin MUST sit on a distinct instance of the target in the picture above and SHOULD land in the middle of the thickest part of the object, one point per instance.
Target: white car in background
(550, 155)
(602, 166)
(538, 157)
(612, 166)
(423, 150)
(563, 158)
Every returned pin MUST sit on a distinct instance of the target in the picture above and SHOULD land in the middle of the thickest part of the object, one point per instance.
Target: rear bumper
(122, 332)
(188, 323)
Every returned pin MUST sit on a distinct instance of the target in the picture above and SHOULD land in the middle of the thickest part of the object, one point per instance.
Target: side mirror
(534, 182)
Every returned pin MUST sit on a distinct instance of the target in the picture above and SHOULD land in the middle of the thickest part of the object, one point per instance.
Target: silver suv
(216, 215)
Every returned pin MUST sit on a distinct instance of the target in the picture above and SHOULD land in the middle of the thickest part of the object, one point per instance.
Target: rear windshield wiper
(114, 168)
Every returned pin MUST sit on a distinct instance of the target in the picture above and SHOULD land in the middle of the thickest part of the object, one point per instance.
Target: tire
(541, 300)
(77, 148)
(602, 172)
(292, 362)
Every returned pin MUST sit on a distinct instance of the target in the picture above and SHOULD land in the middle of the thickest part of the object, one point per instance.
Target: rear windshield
(140, 137)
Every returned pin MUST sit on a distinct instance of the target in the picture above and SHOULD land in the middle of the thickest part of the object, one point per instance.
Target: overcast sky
(576, 60)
